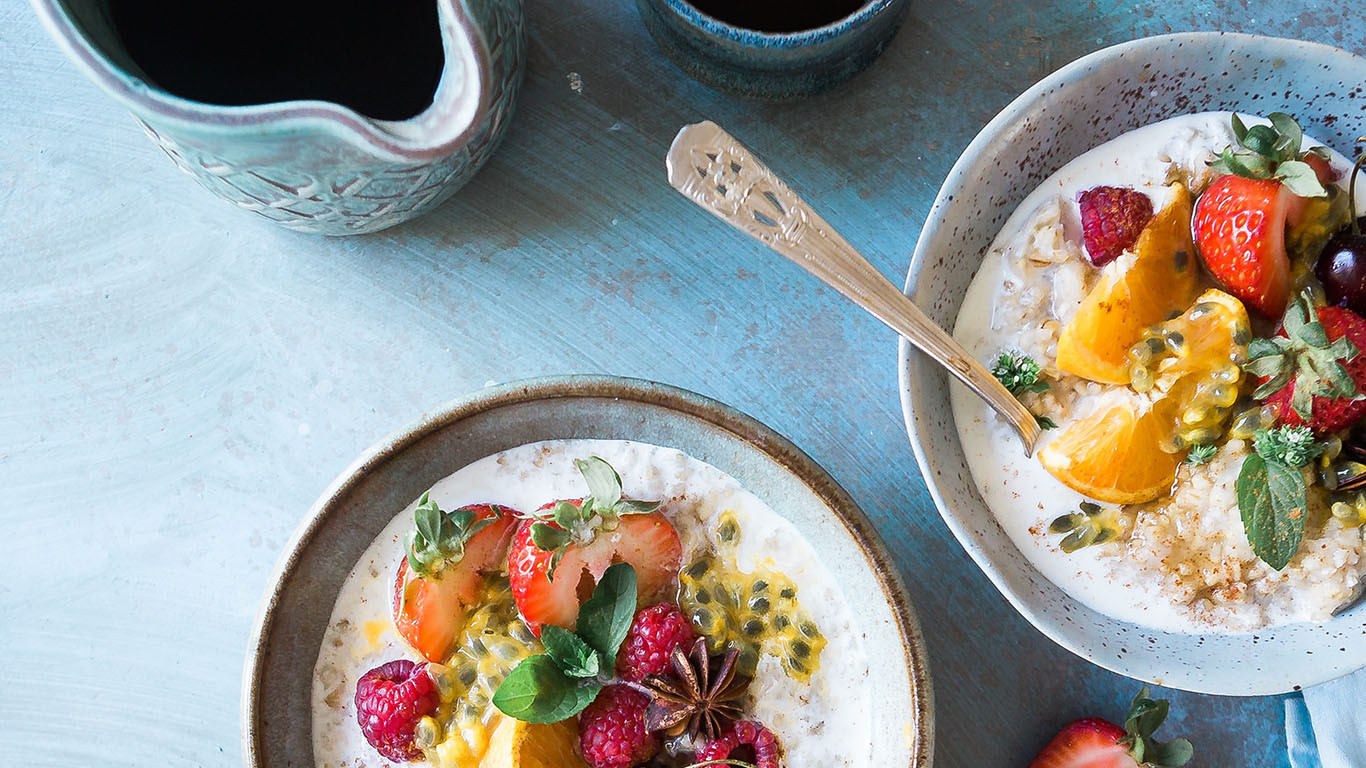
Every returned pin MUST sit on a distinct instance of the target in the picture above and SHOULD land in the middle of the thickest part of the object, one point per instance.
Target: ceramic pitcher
(315, 166)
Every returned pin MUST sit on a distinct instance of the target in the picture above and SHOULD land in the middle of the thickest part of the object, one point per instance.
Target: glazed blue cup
(770, 66)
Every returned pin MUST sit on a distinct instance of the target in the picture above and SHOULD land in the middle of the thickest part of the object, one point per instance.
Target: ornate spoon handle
(715, 171)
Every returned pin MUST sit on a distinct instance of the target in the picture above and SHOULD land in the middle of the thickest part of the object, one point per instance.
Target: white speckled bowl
(1080, 106)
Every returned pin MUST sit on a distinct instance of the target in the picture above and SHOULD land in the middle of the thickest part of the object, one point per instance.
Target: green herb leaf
(1239, 129)
(1292, 446)
(636, 507)
(566, 514)
(1044, 422)
(538, 692)
(1018, 373)
(547, 537)
(1201, 454)
(1291, 136)
(606, 616)
(1273, 505)
(427, 518)
(573, 656)
(1145, 717)
(604, 484)
(1300, 177)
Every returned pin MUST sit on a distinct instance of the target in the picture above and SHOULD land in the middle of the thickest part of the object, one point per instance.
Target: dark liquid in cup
(778, 15)
(382, 59)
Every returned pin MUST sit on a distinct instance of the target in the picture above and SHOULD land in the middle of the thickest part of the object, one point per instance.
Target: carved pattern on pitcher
(368, 199)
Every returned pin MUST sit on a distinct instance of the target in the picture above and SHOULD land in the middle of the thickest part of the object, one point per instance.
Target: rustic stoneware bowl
(276, 700)
(771, 66)
(315, 166)
(1076, 108)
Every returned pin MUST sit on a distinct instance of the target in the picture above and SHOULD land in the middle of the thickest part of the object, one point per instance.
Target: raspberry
(1111, 220)
(733, 743)
(654, 633)
(390, 699)
(612, 729)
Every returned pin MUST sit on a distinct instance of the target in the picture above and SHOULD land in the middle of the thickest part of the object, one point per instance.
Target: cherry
(1342, 268)
(1342, 265)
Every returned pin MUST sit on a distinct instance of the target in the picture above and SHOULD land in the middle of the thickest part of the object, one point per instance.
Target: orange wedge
(1113, 455)
(516, 744)
(1133, 293)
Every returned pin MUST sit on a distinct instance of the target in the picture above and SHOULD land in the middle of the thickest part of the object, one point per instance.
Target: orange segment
(516, 744)
(1133, 293)
(1113, 456)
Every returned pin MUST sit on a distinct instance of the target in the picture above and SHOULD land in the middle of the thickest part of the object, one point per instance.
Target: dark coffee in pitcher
(778, 15)
(382, 59)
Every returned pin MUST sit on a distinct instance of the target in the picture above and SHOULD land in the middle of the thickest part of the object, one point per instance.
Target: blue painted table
(178, 379)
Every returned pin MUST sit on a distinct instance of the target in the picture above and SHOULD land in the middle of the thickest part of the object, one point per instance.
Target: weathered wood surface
(179, 380)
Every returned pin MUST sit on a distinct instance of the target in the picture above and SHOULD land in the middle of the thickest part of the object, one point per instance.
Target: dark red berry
(390, 699)
(1342, 270)
(654, 633)
(1112, 218)
(612, 730)
(748, 741)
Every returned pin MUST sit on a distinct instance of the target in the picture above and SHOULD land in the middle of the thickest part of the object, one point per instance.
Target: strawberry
(560, 552)
(1312, 371)
(1240, 221)
(442, 576)
(1239, 230)
(1096, 743)
(1112, 218)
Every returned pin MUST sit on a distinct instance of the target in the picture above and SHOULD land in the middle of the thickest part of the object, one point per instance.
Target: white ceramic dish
(1082, 105)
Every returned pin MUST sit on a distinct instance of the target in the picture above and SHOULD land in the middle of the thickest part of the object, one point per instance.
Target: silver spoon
(715, 171)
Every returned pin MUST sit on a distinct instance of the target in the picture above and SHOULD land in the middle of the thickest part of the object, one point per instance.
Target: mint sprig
(1272, 494)
(558, 684)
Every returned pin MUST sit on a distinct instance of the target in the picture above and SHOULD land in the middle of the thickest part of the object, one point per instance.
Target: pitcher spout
(312, 164)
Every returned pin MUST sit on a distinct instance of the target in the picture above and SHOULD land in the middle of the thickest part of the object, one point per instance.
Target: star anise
(699, 695)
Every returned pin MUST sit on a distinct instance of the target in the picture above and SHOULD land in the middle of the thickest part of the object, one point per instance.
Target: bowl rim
(908, 360)
(711, 25)
(592, 386)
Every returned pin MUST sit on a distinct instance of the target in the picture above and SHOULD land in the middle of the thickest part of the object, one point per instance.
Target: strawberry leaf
(635, 507)
(604, 484)
(547, 537)
(1145, 717)
(1291, 137)
(1300, 178)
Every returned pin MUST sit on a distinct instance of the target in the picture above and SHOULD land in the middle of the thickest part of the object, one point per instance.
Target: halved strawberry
(1096, 743)
(1239, 229)
(1240, 221)
(442, 576)
(558, 555)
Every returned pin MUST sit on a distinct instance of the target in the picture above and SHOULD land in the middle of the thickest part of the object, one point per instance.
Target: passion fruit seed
(753, 613)
(1092, 525)
(1248, 422)
(1347, 513)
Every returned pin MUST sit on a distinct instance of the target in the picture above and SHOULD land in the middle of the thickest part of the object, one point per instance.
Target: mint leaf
(573, 656)
(604, 484)
(538, 692)
(606, 616)
(1273, 505)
